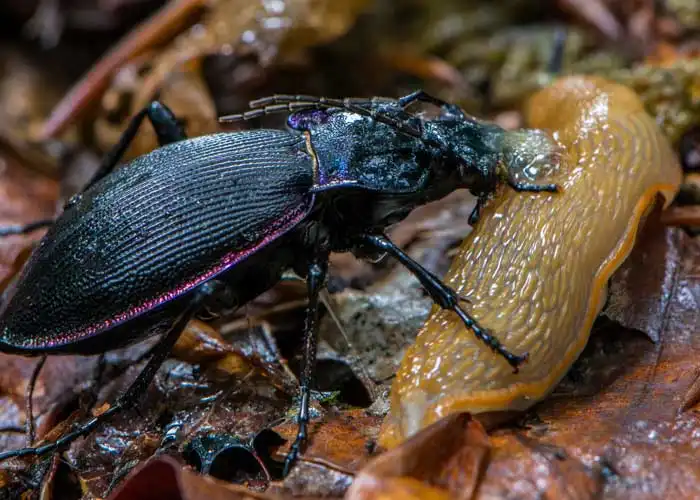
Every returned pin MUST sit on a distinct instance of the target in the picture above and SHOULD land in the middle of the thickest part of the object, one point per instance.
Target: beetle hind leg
(445, 297)
(135, 390)
(168, 129)
(166, 125)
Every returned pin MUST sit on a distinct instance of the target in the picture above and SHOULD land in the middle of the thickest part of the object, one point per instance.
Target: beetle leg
(444, 296)
(315, 282)
(134, 391)
(25, 228)
(29, 412)
(167, 127)
(533, 188)
(476, 212)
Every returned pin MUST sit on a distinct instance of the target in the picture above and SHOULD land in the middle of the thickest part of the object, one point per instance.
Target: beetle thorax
(470, 150)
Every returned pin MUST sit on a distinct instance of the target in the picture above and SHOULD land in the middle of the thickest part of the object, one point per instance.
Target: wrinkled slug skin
(536, 266)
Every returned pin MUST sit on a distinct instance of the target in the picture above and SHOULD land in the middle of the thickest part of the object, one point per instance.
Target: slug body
(535, 268)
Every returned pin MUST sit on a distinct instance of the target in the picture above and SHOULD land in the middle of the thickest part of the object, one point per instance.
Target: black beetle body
(219, 218)
(154, 230)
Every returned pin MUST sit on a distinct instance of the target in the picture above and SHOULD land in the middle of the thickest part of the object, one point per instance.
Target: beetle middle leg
(168, 129)
(135, 390)
(315, 282)
(444, 296)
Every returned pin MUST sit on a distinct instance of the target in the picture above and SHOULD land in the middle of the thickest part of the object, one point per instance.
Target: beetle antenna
(267, 110)
(556, 63)
(284, 103)
(287, 98)
(349, 103)
(281, 103)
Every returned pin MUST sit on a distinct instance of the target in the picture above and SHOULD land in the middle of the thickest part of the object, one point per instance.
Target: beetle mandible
(219, 218)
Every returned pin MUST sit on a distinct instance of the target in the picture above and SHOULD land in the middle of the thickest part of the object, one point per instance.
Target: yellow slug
(535, 268)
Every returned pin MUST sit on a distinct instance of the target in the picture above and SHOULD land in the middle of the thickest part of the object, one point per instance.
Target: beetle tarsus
(490, 340)
(302, 433)
(315, 282)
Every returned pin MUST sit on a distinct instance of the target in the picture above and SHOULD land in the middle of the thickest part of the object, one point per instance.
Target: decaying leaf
(637, 299)
(448, 455)
(344, 438)
(632, 426)
(165, 479)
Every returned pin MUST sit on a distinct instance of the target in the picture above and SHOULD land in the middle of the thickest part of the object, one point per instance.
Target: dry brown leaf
(527, 469)
(447, 456)
(396, 488)
(340, 438)
(165, 479)
(632, 426)
(640, 290)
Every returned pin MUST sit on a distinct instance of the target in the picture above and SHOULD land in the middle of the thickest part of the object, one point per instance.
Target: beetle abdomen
(154, 230)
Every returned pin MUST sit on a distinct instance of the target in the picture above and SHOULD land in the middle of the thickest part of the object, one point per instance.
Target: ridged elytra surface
(535, 268)
(156, 228)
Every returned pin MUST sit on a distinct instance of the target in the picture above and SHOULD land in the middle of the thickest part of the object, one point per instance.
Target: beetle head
(468, 149)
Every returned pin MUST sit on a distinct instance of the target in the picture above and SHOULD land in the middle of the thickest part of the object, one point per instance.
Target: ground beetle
(216, 220)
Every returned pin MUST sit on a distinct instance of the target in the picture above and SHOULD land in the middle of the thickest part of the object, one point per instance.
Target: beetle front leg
(444, 296)
(526, 187)
(315, 282)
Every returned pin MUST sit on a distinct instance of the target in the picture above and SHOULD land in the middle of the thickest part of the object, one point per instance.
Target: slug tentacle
(536, 267)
